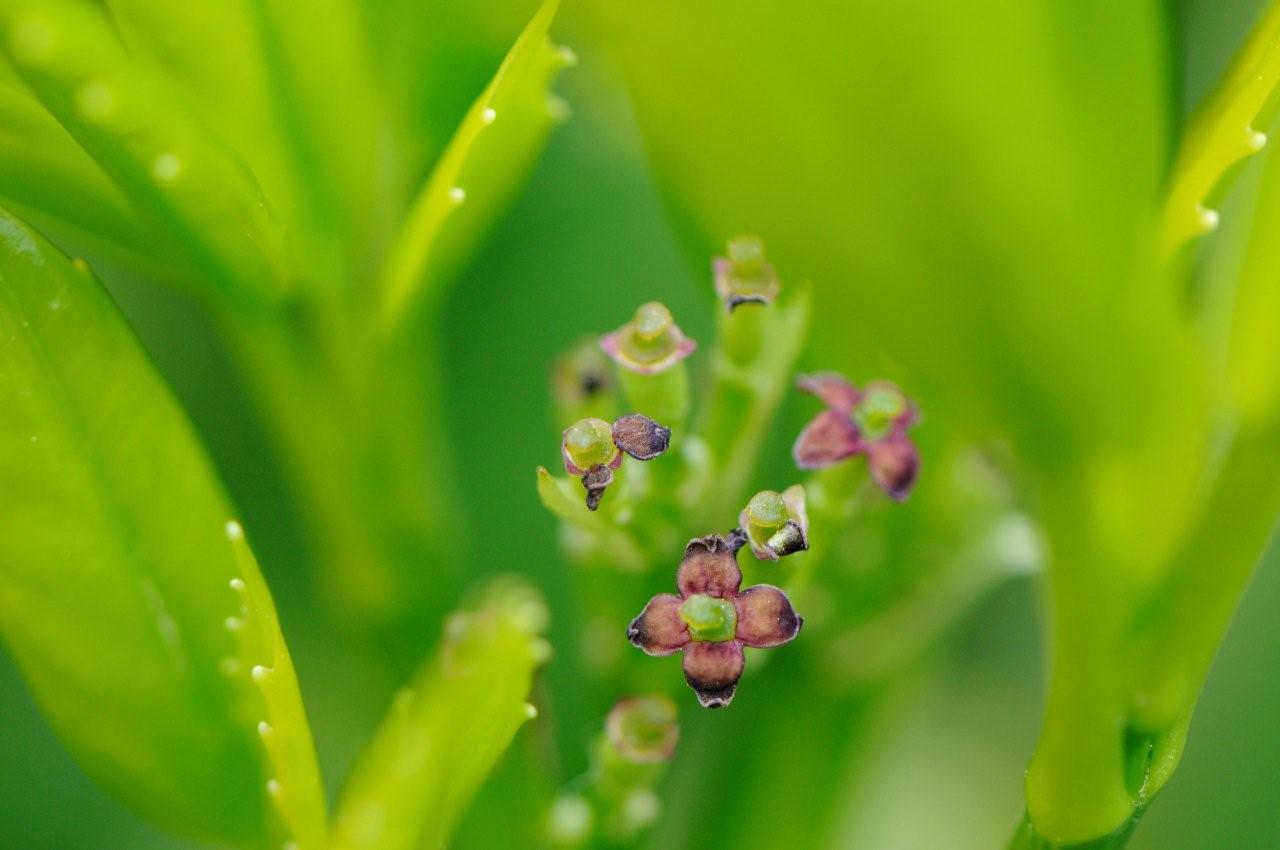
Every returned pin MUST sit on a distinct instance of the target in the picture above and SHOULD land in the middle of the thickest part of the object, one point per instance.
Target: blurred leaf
(170, 166)
(228, 62)
(43, 169)
(1220, 133)
(565, 498)
(444, 733)
(490, 154)
(127, 596)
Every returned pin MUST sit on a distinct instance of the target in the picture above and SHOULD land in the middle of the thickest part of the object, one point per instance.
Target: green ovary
(649, 337)
(589, 442)
(877, 412)
(766, 513)
(709, 618)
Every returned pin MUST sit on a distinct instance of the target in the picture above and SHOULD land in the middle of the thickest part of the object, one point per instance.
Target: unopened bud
(776, 524)
(745, 276)
(644, 729)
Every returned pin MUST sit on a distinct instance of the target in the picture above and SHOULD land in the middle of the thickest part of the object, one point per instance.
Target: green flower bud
(570, 821)
(709, 618)
(588, 443)
(776, 524)
(582, 383)
(644, 729)
(745, 276)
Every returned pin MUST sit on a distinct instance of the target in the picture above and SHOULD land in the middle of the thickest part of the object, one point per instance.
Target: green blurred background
(937, 758)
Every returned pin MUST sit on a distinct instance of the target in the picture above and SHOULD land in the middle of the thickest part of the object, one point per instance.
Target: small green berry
(589, 443)
(878, 410)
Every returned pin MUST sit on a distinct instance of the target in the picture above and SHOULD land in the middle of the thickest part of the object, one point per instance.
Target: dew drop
(1208, 220)
(234, 530)
(166, 167)
(457, 194)
(259, 673)
(489, 115)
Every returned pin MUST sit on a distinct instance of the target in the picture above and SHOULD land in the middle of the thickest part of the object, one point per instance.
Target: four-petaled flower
(873, 422)
(711, 621)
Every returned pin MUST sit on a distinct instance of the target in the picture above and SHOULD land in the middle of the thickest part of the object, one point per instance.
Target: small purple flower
(873, 422)
(650, 343)
(711, 620)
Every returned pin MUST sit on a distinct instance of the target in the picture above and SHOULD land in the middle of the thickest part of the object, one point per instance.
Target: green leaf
(564, 498)
(128, 596)
(444, 732)
(1220, 133)
(304, 124)
(43, 169)
(478, 173)
(177, 174)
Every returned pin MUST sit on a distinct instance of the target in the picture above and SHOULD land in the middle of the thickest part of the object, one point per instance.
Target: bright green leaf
(177, 174)
(446, 730)
(478, 173)
(128, 595)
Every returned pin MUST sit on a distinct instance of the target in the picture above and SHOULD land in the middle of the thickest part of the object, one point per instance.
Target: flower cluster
(712, 619)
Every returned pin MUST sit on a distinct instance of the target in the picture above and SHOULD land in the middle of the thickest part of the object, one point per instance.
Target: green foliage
(142, 623)
(445, 731)
(141, 134)
(994, 245)
(488, 157)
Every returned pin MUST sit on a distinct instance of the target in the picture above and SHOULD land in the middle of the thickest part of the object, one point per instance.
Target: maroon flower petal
(713, 670)
(596, 480)
(829, 438)
(709, 567)
(765, 616)
(641, 437)
(894, 464)
(835, 392)
(659, 630)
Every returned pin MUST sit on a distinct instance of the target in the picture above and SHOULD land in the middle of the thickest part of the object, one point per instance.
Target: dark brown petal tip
(788, 540)
(765, 616)
(659, 630)
(641, 437)
(835, 392)
(895, 463)
(709, 567)
(829, 438)
(595, 481)
(713, 670)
